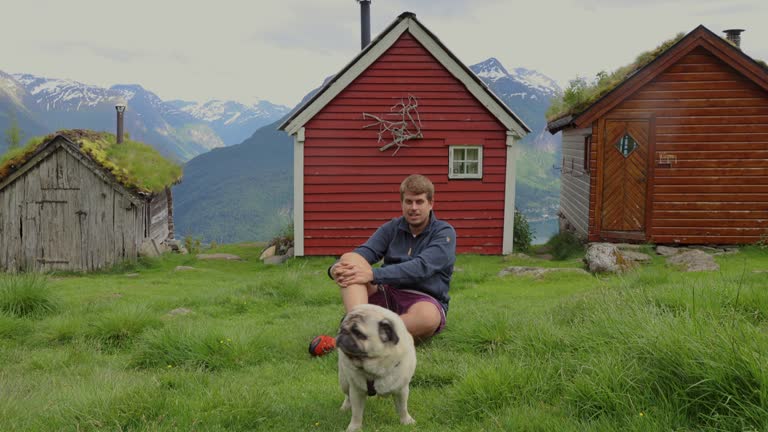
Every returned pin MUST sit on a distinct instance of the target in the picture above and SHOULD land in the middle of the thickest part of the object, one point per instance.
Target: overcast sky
(279, 50)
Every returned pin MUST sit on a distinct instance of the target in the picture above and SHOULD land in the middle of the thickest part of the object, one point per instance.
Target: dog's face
(369, 332)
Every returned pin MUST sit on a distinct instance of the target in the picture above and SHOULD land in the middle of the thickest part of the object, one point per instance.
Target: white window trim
(479, 174)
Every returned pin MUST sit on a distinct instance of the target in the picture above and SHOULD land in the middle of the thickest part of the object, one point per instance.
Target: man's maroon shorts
(399, 301)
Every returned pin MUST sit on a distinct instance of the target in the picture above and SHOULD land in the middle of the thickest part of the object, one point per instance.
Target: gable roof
(700, 37)
(405, 22)
(134, 166)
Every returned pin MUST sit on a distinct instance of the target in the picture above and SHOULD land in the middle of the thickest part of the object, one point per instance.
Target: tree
(13, 135)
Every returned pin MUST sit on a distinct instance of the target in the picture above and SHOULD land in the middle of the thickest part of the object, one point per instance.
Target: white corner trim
(346, 79)
(298, 193)
(480, 93)
(509, 194)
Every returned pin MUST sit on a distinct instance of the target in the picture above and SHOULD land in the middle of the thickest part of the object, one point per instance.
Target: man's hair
(417, 184)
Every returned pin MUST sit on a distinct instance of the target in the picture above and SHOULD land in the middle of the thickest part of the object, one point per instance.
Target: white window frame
(452, 175)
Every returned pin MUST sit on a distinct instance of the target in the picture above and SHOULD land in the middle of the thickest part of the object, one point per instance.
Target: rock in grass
(604, 258)
(694, 260)
(180, 311)
(666, 250)
(537, 271)
(268, 252)
(219, 256)
(635, 256)
(276, 260)
(184, 268)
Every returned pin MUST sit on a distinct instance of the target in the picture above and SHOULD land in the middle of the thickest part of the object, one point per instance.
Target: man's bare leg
(354, 294)
(422, 320)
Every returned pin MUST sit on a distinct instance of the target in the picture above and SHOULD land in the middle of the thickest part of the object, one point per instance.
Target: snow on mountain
(536, 80)
(64, 94)
(490, 70)
(229, 112)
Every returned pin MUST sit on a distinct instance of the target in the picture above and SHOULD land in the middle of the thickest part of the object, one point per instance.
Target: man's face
(416, 209)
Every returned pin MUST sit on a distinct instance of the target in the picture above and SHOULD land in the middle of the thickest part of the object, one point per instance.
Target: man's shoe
(322, 345)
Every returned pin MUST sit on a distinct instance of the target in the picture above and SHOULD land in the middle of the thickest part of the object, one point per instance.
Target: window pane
(471, 167)
(472, 154)
(458, 167)
(626, 145)
(458, 154)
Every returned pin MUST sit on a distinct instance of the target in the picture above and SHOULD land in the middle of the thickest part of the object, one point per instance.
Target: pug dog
(376, 357)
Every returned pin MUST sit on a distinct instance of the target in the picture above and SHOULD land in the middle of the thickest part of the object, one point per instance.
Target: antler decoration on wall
(408, 126)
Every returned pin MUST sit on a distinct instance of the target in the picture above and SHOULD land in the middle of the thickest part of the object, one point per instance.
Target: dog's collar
(371, 388)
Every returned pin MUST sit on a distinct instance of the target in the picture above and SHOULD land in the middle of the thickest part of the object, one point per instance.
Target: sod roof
(135, 165)
(580, 95)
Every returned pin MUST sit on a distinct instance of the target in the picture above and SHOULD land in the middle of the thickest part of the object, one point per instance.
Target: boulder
(219, 256)
(694, 260)
(268, 252)
(666, 250)
(537, 271)
(290, 252)
(604, 258)
(149, 249)
(276, 260)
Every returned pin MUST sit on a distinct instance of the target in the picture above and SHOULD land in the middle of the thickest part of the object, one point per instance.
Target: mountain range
(180, 130)
(245, 192)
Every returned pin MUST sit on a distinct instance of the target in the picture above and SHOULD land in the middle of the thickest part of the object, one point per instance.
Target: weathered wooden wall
(574, 181)
(59, 215)
(712, 122)
(351, 188)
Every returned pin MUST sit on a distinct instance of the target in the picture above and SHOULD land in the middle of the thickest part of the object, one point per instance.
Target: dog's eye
(358, 334)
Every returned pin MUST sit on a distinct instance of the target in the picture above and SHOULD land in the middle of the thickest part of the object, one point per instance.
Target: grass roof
(580, 94)
(135, 165)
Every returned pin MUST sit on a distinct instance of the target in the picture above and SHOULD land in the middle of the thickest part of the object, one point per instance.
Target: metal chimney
(734, 35)
(365, 23)
(120, 110)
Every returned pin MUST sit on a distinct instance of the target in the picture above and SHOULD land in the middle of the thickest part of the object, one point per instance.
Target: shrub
(565, 245)
(192, 244)
(117, 328)
(522, 236)
(187, 346)
(25, 295)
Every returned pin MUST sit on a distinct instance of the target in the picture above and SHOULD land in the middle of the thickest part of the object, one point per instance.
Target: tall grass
(650, 350)
(25, 295)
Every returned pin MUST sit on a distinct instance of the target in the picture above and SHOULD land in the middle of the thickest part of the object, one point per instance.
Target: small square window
(465, 162)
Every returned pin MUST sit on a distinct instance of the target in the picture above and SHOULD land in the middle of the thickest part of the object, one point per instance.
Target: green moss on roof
(135, 165)
(580, 94)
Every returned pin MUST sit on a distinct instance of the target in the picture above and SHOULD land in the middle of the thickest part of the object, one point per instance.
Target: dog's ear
(387, 332)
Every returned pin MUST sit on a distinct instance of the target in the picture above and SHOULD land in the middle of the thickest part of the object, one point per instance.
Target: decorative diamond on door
(626, 145)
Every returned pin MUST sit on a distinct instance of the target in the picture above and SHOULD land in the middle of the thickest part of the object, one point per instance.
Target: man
(418, 250)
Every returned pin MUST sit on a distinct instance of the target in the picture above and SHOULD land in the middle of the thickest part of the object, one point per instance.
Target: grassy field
(654, 349)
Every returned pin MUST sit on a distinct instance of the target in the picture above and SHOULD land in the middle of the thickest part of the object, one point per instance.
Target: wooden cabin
(404, 105)
(64, 206)
(676, 153)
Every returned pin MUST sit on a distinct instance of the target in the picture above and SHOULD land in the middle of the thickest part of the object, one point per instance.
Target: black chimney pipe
(734, 35)
(120, 110)
(365, 23)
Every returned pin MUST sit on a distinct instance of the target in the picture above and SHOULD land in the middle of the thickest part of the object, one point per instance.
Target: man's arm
(440, 251)
(375, 248)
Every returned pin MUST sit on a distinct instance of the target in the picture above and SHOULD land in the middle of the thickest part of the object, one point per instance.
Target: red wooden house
(676, 153)
(407, 90)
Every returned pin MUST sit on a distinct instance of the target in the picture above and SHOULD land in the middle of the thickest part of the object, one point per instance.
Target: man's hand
(346, 274)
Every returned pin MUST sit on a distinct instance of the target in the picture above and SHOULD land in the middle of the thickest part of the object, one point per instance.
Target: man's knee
(352, 258)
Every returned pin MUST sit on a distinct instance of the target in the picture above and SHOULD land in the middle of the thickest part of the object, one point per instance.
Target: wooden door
(625, 169)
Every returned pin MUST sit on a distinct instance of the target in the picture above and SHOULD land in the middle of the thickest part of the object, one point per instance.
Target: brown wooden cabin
(676, 153)
(62, 210)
